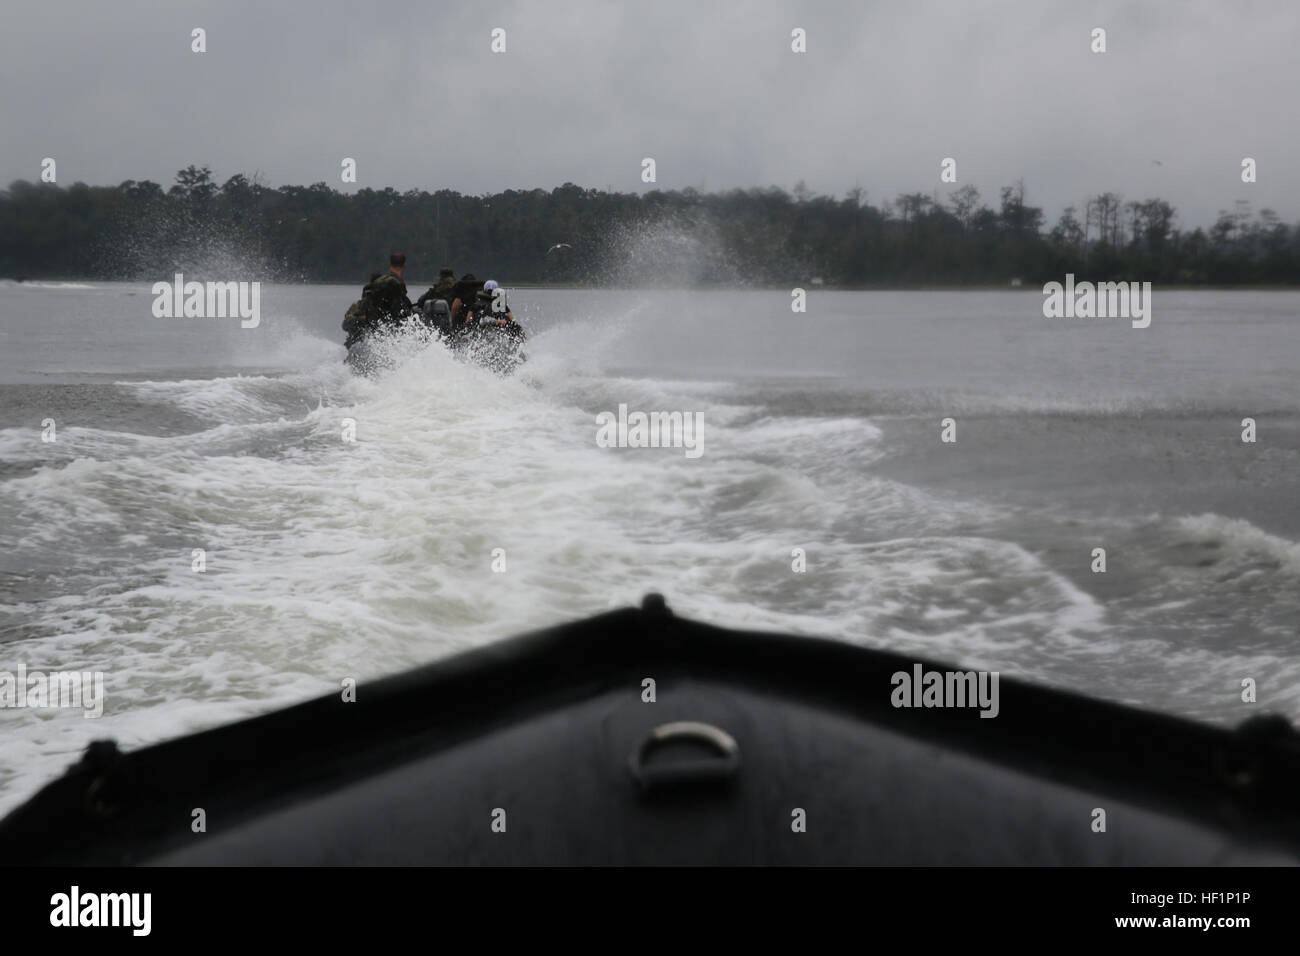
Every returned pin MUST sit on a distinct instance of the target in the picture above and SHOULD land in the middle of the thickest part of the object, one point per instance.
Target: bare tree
(963, 202)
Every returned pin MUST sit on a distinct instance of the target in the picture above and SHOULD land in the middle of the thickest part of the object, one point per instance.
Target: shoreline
(572, 287)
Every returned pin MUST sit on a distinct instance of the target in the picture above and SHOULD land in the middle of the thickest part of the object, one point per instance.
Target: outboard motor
(438, 314)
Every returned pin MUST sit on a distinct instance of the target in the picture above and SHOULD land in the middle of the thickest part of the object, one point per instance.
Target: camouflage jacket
(443, 289)
(387, 298)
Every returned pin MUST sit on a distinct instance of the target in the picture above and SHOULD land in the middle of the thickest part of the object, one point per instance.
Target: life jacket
(467, 291)
(486, 302)
(386, 300)
(484, 316)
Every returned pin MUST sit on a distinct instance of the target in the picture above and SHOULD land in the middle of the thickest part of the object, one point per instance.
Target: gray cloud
(710, 90)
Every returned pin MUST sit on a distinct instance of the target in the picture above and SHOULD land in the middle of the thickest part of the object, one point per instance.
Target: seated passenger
(442, 289)
(462, 302)
(493, 308)
(358, 321)
(386, 295)
(497, 307)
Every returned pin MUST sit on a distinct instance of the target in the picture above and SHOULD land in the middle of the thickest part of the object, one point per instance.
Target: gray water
(328, 559)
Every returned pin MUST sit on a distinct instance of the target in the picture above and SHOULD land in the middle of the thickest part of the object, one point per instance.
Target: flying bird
(1156, 162)
(558, 245)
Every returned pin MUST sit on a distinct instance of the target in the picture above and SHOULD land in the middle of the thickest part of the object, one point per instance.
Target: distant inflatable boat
(637, 737)
(494, 344)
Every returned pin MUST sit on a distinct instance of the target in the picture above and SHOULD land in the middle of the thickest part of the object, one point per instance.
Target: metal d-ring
(722, 765)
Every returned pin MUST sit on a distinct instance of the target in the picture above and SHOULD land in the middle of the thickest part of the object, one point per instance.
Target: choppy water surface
(328, 559)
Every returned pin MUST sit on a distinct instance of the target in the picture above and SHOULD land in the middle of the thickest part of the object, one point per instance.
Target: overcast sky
(710, 89)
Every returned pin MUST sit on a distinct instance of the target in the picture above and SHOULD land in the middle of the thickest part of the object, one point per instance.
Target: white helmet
(490, 285)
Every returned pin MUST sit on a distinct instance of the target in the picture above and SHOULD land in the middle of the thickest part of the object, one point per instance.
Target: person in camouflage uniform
(442, 289)
(463, 299)
(355, 322)
(387, 301)
(383, 303)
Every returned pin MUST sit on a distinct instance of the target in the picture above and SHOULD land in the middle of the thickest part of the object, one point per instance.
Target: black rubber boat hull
(539, 750)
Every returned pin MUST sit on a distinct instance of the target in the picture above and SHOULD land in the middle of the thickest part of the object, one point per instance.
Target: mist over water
(328, 559)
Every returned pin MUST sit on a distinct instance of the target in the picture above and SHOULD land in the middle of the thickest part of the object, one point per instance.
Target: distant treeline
(139, 230)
